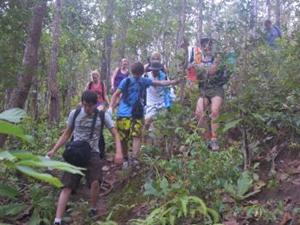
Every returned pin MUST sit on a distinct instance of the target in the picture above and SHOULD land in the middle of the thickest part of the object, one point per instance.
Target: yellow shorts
(128, 128)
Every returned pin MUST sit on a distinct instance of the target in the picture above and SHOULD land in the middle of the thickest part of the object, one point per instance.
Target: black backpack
(78, 153)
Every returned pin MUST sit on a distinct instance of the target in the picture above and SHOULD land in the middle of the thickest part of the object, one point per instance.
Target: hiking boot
(93, 213)
(213, 145)
(134, 163)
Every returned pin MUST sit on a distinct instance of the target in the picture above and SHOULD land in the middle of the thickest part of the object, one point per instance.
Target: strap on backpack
(102, 118)
(93, 123)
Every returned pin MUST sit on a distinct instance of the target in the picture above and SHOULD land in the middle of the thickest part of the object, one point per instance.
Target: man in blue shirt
(272, 33)
(130, 113)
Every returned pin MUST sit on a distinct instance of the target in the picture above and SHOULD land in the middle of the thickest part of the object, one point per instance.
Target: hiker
(130, 112)
(85, 124)
(211, 76)
(119, 74)
(273, 32)
(155, 56)
(97, 85)
(157, 98)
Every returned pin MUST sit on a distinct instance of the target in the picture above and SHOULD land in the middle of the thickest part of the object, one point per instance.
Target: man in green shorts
(130, 113)
(211, 77)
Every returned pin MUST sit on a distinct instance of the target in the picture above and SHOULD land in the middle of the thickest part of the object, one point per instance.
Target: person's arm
(106, 99)
(119, 154)
(215, 66)
(114, 99)
(61, 141)
(164, 82)
(112, 79)
(87, 86)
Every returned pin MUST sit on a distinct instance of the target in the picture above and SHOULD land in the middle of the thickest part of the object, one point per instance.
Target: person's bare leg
(95, 188)
(216, 104)
(62, 202)
(200, 110)
(136, 146)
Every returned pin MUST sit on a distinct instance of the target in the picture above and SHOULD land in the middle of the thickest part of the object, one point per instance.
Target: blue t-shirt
(130, 93)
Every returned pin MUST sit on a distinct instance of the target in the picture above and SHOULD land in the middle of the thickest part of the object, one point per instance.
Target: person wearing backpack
(130, 113)
(157, 98)
(97, 85)
(273, 32)
(156, 57)
(119, 74)
(211, 75)
(85, 126)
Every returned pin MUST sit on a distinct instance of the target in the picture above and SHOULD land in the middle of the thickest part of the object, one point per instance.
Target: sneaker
(214, 145)
(93, 213)
(125, 164)
(134, 163)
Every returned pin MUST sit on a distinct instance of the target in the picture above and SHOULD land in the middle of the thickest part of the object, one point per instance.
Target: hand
(112, 89)
(51, 153)
(118, 159)
(177, 81)
(109, 111)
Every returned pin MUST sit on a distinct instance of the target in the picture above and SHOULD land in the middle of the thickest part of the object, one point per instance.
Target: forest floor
(280, 194)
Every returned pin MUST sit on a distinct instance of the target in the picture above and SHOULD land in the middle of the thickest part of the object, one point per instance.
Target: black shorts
(93, 173)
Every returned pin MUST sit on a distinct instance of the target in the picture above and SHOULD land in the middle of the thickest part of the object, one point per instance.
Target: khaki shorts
(212, 92)
(93, 173)
(128, 128)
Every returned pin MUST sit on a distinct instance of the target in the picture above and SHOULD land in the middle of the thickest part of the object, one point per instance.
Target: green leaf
(231, 124)
(13, 130)
(35, 218)
(149, 189)
(6, 155)
(8, 191)
(40, 176)
(53, 164)
(184, 202)
(164, 184)
(244, 184)
(213, 215)
(13, 115)
(11, 209)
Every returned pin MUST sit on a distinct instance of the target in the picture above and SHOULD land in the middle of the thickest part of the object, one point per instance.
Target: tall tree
(278, 12)
(253, 16)
(268, 5)
(181, 22)
(199, 21)
(52, 77)
(107, 42)
(30, 60)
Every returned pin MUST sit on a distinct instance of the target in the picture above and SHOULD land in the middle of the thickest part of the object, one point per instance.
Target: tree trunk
(182, 19)
(278, 13)
(106, 54)
(200, 21)
(268, 5)
(30, 60)
(253, 17)
(180, 40)
(52, 77)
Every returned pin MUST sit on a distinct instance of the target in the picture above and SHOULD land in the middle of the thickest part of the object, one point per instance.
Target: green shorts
(128, 128)
(209, 93)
